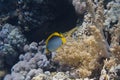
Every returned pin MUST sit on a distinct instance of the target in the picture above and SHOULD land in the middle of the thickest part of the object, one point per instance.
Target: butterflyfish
(54, 41)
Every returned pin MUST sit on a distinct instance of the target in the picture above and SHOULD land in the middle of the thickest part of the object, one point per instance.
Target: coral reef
(30, 64)
(55, 76)
(79, 6)
(11, 42)
(91, 45)
(110, 70)
(91, 52)
(41, 77)
(60, 75)
(112, 13)
(115, 41)
(112, 30)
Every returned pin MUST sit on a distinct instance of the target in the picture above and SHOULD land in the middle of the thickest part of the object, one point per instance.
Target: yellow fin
(62, 38)
(69, 33)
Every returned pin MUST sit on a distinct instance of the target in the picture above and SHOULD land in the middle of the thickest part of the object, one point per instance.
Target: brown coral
(115, 41)
(83, 54)
(109, 63)
(116, 53)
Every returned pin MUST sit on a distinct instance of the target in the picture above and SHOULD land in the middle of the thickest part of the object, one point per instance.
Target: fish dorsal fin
(70, 32)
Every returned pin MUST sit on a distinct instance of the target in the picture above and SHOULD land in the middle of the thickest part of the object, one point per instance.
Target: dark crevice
(61, 18)
(43, 18)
